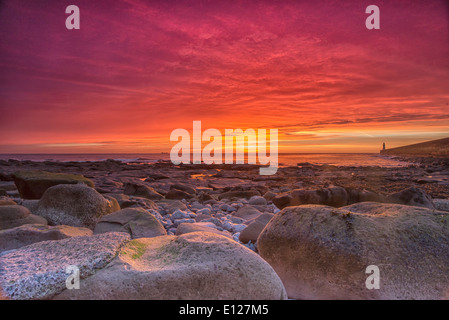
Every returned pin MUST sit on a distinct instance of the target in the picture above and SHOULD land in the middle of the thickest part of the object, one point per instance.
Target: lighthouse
(383, 149)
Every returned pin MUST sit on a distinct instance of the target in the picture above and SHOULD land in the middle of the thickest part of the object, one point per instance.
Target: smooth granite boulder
(197, 266)
(75, 205)
(33, 184)
(138, 222)
(38, 271)
(321, 252)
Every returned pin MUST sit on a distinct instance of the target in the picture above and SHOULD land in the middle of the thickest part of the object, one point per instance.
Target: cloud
(138, 69)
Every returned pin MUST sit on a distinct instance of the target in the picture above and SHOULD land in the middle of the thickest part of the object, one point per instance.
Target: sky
(137, 70)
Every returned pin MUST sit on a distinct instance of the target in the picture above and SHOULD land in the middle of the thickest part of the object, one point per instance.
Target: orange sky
(136, 70)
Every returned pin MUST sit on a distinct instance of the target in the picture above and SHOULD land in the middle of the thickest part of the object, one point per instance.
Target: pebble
(204, 211)
(177, 222)
(179, 214)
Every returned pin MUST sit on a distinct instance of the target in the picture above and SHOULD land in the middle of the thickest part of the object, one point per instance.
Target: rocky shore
(160, 231)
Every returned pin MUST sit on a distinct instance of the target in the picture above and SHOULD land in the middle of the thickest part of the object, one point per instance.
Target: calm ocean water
(338, 159)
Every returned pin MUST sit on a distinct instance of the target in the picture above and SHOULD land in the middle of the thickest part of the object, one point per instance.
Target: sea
(285, 159)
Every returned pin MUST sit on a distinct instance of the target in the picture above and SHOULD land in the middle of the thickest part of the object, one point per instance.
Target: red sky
(136, 70)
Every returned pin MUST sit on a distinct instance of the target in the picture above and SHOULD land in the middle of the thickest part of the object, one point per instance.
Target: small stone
(247, 212)
(177, 222)
(179, 214)
(141, 190)
(206, 211)
(258, 200)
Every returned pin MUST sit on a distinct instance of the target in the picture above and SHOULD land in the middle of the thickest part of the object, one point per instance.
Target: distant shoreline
(285, 159)
(429, 149)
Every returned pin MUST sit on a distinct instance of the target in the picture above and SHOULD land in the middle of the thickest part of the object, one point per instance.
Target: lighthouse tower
(383, 148)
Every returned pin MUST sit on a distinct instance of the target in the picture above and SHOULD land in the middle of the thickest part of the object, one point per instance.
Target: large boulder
(252, 231)
(183, 187)
(31, 233)
(15, 216)
(75, 205)
(333, 196)
(33, 184)
(198, 265)
(175, 194)
(412, 197)
(38, 271)
(357, 195)
(322, 252)
(138, 222)
(141, 190)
